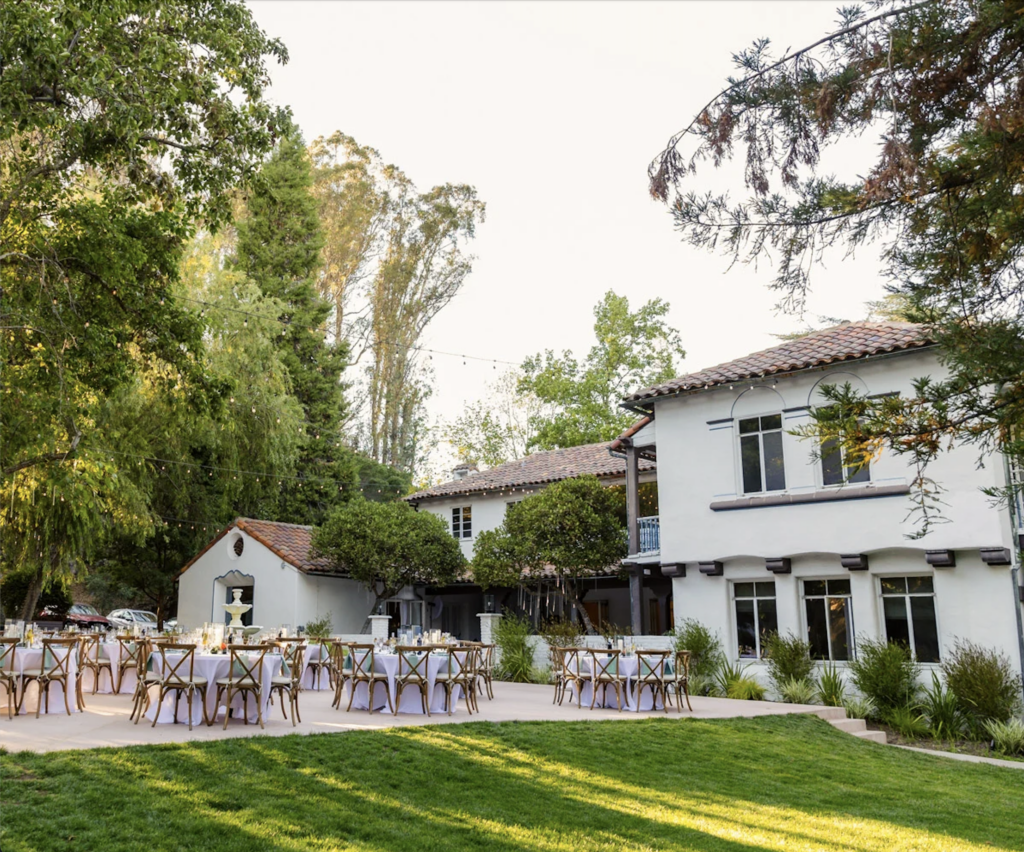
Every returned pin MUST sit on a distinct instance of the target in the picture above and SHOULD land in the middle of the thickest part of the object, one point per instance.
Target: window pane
(817, 628)
(926, 638)
(750, 458)
(772, 421)
(920, 585)
(774, 471)
(765, 590)
(831, 463)
(748, 426)
(839, 628)
(893, 585)
(768, 622)
(744, 590)
(746, 631)
(896, 627)
(839, 587)
(861, 474)
(814, 587)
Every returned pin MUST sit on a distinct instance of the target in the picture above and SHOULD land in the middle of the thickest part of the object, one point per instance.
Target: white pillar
(379, 627)
(488, 626)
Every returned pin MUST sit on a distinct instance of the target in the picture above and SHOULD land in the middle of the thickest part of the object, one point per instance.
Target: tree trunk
(577, 603)
(35, 588)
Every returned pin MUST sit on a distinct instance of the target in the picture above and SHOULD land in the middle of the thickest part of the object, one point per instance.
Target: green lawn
(781, 782)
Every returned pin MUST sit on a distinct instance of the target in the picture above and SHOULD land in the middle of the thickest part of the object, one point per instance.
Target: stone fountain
(236, 609)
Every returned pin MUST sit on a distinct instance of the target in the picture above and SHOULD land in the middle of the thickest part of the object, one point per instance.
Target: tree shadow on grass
(657, 784)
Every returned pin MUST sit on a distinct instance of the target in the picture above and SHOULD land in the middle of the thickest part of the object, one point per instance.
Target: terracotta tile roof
(630, 432)
(290, 542)
(841, 343)
(536, 469)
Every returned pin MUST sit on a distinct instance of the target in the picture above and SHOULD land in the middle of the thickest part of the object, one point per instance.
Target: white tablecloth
(309, 676)
(32, 658)
(411, 702)
(606, 697)
(108, 651)
(213, 667)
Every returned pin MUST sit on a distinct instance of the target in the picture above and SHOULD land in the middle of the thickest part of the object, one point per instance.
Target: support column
(488, 626)
(633, 499)
(636, 597)
(379, 627)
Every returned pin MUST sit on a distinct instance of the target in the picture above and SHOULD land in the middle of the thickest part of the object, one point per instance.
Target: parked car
(128, 618)
(82, 616)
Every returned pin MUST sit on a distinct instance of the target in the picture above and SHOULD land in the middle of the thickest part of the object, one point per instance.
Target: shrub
(796, 691)
(561, 633)
(705, 649)
(983, 682)
(319, 628)
(886, 673)
(702, 685)
(945, 718)
(1007, 737)
(512, 637)
(906, 722)
(831, 687)
(745, 689)
(729, 676)
(788, 658)
(860, 708)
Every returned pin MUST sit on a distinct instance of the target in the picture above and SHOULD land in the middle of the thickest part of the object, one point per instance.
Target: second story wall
(710, 511)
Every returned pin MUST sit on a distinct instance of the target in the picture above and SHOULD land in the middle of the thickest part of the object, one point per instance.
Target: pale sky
(552, 110)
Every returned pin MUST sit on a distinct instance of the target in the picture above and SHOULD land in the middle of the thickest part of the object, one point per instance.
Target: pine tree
(278, 247)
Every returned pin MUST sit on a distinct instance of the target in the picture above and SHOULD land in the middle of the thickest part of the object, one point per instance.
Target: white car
(129, 618)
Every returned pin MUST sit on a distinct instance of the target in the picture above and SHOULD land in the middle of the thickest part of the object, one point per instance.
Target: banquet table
(109, 651)
(411, 703)
(213, 667)
(32, 658)
(309, 678)
(606, 697)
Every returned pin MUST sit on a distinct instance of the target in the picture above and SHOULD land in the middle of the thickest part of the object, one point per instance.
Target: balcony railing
(650, 534)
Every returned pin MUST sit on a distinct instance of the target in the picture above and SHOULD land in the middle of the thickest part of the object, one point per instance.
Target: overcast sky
(552, 110)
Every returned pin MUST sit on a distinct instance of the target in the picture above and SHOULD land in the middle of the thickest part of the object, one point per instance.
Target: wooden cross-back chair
(325, 662)
(650, 674)
(679, 679)
(605, 671)
(413, 670)
(128, 653)
(177, 675)
(461, 667)
(288, 684)
(146, 679)
(571, 671)
(8, 679)
(363, 671)
(245, 677)
(58, 656)
(93, 660)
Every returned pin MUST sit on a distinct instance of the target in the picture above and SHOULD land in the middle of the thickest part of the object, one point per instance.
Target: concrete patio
(105, 721)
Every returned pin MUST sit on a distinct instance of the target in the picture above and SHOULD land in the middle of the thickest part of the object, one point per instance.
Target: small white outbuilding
(272, 565)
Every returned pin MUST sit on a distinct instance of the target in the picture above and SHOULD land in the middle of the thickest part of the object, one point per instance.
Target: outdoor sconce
(710, 569)
(995, 555)
(940, 558)
(782, 565)
(854, 561)
(489, 603)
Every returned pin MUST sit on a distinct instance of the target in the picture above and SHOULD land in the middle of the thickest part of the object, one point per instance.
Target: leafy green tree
(939, 86)
(633, 350)
(121, 124)
(387, 546)
(278, 248)
(574, 527)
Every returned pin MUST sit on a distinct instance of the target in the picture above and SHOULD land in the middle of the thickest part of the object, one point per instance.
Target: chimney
(463, 470)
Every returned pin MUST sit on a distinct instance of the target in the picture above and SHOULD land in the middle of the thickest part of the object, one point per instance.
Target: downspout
(1015, 559)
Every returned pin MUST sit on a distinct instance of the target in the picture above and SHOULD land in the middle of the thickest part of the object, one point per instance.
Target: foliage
(705, 648)
(319, 628)
(906, 721)
(1007, 737)
(885, 672)
(573, 526)
(831, 689)
(561, 633)
(394, 258)
(788, 658)
(727, 675)
(278, 248)
(515, 650)
(940, 706)
(15, 586)
(387, 546)
(935, 85)
(983, 681)
(745, 689)
(633, 350)
(860, 708)
(797, 691)
(121, 125)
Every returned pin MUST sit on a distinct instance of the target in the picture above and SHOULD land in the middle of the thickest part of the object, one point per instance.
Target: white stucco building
(757, 534)
(271, 563)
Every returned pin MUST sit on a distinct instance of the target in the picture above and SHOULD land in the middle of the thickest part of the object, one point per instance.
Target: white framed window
(836, 468)
(510, 503)
(756, 616)
(908, 606)
(761, 463)
(829, 612)
(462, 522)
